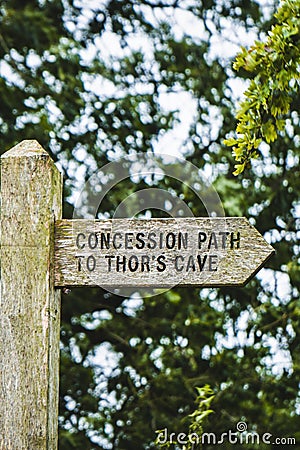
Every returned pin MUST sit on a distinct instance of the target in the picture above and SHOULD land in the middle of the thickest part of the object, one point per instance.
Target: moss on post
(31, 193)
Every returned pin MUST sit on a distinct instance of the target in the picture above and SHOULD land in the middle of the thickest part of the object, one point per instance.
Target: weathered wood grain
(158, 252)
(31, 192)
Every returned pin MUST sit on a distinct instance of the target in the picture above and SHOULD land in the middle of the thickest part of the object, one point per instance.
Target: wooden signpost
(31, 196)
(158, 252)
(40, 253)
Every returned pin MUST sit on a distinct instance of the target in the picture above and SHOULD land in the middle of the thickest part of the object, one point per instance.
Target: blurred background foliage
(96, 80)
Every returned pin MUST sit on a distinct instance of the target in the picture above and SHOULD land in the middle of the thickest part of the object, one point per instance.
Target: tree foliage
(270, 99)
(194, 434)
(93, 81)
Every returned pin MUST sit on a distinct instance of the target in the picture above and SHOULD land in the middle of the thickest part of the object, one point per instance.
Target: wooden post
(31, 191)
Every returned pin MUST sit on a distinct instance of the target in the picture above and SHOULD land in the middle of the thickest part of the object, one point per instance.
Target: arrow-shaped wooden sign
(158, 252)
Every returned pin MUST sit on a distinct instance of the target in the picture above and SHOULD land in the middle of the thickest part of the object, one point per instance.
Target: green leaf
(239, 168)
